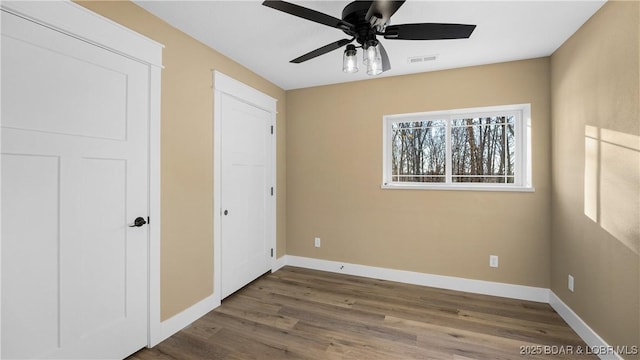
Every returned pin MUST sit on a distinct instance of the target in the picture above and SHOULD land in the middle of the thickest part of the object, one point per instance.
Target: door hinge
(272, 191)
(271, 252)
(271, 129)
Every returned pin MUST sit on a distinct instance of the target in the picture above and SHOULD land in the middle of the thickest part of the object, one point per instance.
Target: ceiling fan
(363, 21)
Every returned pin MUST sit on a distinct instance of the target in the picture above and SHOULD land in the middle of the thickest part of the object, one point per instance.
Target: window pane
(465, 148)
(418, 151)
(483, 149)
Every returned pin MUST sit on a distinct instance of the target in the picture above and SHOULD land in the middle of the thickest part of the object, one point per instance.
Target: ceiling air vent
(419, 59)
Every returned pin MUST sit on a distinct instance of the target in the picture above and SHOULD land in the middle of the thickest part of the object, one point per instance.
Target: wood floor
(297, 313)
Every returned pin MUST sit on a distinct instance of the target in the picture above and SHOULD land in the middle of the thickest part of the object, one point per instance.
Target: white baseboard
(583, 330)
(410, 277)
(186, 317)
(593, 340)
(196, 311)
(530, 293)
(279, 263)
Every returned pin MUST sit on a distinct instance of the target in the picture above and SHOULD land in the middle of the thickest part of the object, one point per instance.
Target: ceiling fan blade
(380, 11)
(428, 31)
(386, 64)
(309, 14)
(321, 51)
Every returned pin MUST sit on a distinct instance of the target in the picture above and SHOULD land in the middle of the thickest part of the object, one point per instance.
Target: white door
(245, 174)
(74, 175)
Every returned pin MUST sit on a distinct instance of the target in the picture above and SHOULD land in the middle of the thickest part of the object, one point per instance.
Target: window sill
(466, 187)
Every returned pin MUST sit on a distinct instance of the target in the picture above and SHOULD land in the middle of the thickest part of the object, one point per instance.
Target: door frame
(81, 23)
(224, 84)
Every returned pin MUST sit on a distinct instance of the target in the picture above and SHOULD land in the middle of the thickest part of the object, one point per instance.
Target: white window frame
(522, 171)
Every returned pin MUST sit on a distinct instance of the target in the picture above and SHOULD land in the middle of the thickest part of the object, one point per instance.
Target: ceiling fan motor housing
(356, 13)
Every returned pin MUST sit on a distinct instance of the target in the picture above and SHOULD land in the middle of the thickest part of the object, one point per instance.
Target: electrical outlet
(316, 242)
(493, 261)
(570, 283)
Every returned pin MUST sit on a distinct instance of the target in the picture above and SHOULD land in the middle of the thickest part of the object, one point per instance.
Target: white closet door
(245, 182)
(74, 175)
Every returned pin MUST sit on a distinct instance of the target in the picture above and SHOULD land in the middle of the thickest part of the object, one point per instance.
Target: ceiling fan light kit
(363, 21)
(373, 59)
(350, 60)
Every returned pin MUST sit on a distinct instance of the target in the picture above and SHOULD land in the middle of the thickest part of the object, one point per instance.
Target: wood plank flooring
(298, 313)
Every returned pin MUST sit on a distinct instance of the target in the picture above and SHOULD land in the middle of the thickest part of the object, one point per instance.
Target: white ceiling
(264, 39)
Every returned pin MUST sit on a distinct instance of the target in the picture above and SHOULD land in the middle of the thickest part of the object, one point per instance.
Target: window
(467, 149)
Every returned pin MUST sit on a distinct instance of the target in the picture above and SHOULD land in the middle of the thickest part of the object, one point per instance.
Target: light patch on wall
(591, 173)
(612, 183)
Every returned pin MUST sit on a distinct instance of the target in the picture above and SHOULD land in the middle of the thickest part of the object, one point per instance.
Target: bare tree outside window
(419, 151)
(456, 148)
(483, 149)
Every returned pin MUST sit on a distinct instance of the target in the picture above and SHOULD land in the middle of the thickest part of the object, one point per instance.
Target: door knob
(226, 212)
(139, 221)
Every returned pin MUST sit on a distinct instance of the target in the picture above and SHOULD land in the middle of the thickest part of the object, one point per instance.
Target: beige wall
(334, 171)
(596, 172)
(187, 153)
(330, 167)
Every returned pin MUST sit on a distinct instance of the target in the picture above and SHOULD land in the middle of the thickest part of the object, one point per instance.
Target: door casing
(227, 85)
(74, 20)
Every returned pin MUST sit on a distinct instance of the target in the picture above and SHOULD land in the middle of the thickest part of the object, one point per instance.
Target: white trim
(438, 281)
(187, 316)
(448, 171)
(243, 92)
(154, 332)
(530, 293)
(217, 190)
(471, 187)
(522, 180)
(581, 328)
(82, 23)
(78, 22)
(0, 207)
(466, 111)
(274, 171)
(279, 263)
(227, 85)
(593, 340)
